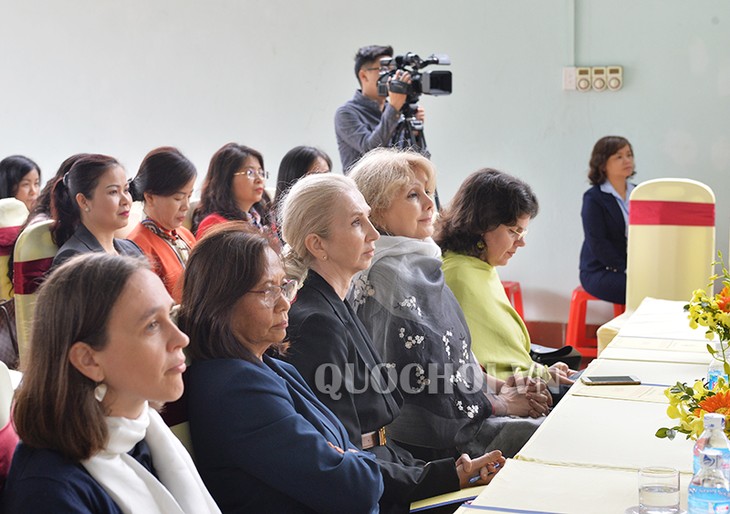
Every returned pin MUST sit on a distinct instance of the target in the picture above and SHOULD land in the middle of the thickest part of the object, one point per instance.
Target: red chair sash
(686, 214)
(28, 275)
(8, 235)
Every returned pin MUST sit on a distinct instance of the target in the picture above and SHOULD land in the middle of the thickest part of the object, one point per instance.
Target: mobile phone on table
(610, 380)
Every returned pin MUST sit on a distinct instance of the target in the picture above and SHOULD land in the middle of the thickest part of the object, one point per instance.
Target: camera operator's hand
(398, 100)
(420, 114)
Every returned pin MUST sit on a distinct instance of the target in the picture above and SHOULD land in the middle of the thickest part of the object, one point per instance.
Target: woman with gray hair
(417, 325)
(325, 221)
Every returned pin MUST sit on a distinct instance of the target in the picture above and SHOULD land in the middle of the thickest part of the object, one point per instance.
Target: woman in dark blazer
(90, 202)
(262, 440)
(325, 222)
(605, 219)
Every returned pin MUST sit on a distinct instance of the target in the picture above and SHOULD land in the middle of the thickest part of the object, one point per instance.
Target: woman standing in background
(605, 216)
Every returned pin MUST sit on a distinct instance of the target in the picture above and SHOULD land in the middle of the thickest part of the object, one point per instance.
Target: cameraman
(367, 121)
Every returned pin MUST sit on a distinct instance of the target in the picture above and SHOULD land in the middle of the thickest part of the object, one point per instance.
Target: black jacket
(83, 241)
(334, 354)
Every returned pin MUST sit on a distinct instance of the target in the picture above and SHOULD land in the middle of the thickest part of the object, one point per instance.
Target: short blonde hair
(308, 208)
(382, 172)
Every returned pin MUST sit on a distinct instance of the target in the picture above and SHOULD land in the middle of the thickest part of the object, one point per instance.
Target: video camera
(435, 82)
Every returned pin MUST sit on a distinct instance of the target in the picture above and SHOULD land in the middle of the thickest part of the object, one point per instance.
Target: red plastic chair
(514, 293)
(576, 331)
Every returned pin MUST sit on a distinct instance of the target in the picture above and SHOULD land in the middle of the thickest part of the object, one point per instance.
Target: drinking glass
(658, 491)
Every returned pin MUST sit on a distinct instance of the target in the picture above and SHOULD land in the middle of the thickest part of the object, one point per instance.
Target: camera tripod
(409, 135)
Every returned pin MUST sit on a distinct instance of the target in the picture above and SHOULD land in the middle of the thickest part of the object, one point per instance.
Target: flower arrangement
(688, 405)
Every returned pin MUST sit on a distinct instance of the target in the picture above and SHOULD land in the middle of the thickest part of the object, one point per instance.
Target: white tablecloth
(529, 487)
(647, 355)
(584, 457)
(661, 319)
(655, 373)
(584, 431)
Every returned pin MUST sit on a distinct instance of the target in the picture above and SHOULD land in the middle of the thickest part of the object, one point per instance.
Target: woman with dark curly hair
(483, 228)
(605, 215)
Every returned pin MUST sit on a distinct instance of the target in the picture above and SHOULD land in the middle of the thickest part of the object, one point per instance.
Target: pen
(475, 479)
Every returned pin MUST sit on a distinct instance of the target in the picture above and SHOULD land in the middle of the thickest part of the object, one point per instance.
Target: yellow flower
(700, 390)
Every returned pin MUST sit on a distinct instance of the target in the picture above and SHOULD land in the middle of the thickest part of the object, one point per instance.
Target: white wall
(124, 77)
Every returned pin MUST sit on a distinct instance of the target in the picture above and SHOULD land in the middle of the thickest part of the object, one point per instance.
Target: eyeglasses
(288, 289)
(252, 173)
(518, 233)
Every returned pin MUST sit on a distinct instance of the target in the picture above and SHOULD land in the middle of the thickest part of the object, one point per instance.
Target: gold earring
(481, 245)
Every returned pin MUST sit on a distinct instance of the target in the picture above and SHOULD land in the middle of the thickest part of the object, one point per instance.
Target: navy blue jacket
(260, 440)
(42, 480)
(604, 228)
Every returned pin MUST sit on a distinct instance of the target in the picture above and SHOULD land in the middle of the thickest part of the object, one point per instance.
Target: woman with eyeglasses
(262, 440)
(233, 189)
(164, 183)
(483, 227)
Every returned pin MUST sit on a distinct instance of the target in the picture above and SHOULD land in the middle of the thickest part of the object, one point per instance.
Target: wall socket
(596, 78)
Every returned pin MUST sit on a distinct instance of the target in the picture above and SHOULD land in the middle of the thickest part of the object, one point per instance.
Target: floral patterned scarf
(416, 323)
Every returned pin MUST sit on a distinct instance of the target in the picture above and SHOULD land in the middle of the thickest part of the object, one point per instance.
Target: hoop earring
(100, 391)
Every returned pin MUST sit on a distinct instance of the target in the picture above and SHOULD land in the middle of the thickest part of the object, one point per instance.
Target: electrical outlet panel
(596, 78)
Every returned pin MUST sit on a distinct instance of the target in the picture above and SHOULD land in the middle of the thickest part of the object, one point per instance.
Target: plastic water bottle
(709, 491)
(715, 370)
(713, 437)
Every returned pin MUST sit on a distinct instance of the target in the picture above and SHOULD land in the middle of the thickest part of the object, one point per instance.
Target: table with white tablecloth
(585, 457)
